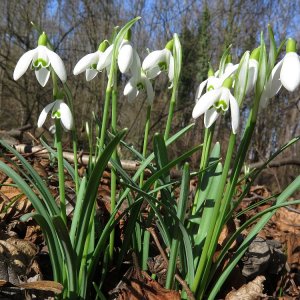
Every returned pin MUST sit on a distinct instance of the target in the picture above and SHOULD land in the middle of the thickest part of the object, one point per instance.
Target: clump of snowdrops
(78, 247)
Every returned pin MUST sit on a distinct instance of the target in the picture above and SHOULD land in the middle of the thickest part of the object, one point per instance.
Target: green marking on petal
(140, 86)
(40, 63)
(56, 114)
(93, 66)
(211, 87)
(221, 106)
(163, 66)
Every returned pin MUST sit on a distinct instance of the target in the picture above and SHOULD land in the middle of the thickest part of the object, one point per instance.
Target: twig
(164, 256)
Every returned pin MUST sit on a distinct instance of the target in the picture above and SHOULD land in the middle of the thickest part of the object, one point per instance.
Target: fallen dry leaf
(43, 285)
(137, 285)
(250, 291)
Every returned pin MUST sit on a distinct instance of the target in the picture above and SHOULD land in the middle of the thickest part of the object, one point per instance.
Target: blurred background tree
(76, 27)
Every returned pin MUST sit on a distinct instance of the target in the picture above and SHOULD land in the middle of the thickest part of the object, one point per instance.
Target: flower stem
(146, 134)
(171, 113)
(113, 181)
(61, 175)
(105, 118)
(74, 135)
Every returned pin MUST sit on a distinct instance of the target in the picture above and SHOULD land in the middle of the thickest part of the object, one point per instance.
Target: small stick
(164, 256)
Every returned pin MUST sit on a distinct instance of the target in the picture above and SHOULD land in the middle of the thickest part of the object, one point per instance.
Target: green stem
(61, 175)
(105, 118)
(145, 144)
(146, 238)
(113, 182)
(171, 113)
(74, 136)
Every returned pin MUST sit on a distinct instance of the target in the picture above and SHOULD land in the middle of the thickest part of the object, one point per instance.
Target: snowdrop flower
(216, 102)
(41, 58)
(158, 61)
(213, 81)
(286, 73)
(137, 84)
(59, 110)
(89, 63)
(128, 58)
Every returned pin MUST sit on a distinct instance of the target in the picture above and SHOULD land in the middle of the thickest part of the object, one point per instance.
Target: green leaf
(92, 189)
(181, 208)
(52, 243)
(36, 181)
(69, 255)
(266, 216)
(273, 49)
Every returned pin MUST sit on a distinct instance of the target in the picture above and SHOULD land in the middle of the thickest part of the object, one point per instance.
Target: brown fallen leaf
(137, 284)
(43, 285)
(250, 291)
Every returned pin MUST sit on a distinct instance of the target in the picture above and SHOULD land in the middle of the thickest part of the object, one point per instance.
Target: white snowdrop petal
(290, 71)
(42, 76)
(210, 117)
(200, 90)
(205, 102)
(85, 62)
(153, 58)
(66, 116)
(235, 114)
(171, 69)
(23, 63)
(125, 57)
(90, 74)
(149, 90)
(274, 83)
(105, 59)
(57, 65)
(44, 113)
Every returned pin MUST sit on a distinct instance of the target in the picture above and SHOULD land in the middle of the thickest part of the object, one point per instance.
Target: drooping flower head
(90, 62)
(216, 102)
(159, 61)
(42, 60)
(59, 110)
(137, 84)
(285, 73)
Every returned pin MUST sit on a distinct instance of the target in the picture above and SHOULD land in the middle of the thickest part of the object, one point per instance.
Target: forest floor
(269, 270)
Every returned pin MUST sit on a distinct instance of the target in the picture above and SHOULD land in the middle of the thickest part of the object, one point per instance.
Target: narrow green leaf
(181, 209)
(91, 191)
(69, 255)
(293, 187)
(36, 180)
